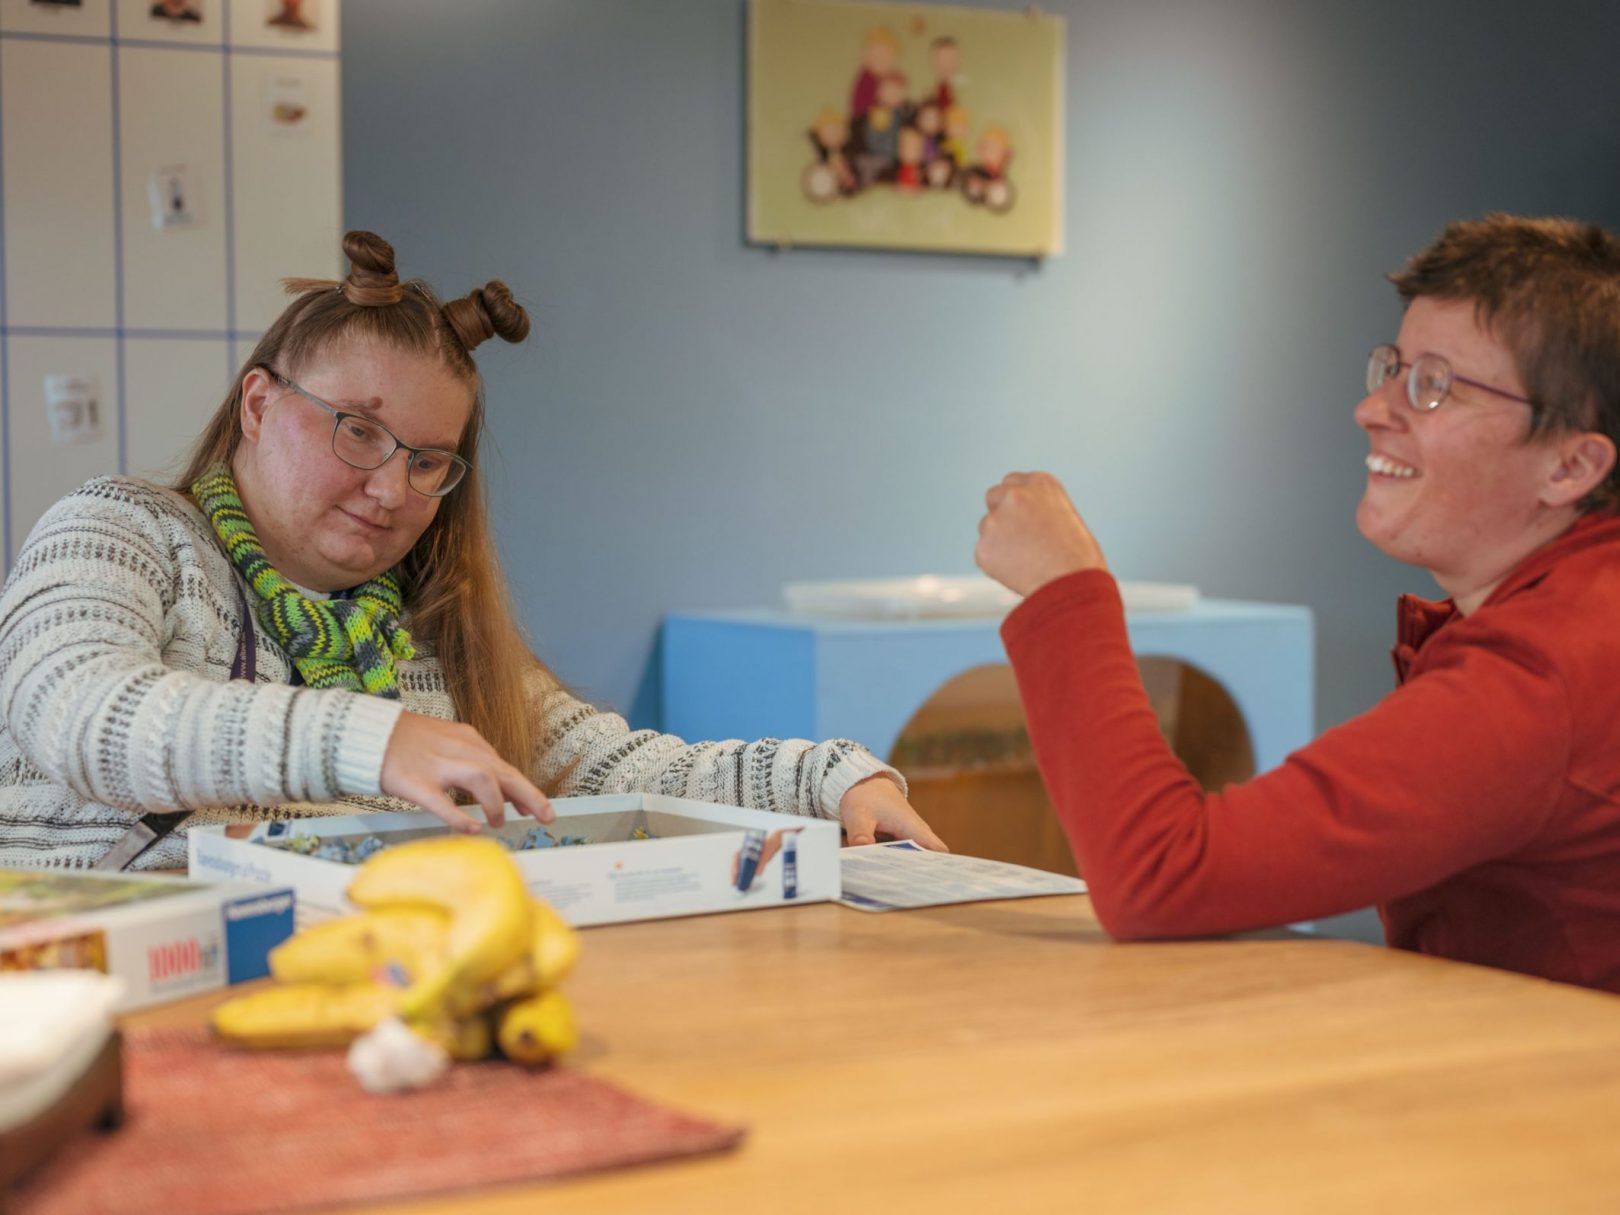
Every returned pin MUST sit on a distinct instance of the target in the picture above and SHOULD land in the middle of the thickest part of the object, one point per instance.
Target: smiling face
(323, 524)
(1458, 490)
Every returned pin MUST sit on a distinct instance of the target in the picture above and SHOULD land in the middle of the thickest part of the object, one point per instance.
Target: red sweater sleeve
(1461, 765)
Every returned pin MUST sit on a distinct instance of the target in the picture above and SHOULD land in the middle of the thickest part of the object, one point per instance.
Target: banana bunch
(450, 942)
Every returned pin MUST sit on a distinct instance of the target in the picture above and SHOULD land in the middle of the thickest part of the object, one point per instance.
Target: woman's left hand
(876, 805)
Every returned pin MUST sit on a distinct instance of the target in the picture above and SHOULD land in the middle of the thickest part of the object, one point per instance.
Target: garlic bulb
(393, 1058)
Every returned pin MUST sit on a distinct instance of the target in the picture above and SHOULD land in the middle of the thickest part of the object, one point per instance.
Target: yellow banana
(469, 1038)
(368, 947)
(491, 915)
(556, 945)
(453, 916)
(536, 1028)
(550, 958)
(304, 1015)
(358, 948)
(313, 1015)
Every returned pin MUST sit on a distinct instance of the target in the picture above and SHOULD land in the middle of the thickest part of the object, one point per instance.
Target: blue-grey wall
(699, 421)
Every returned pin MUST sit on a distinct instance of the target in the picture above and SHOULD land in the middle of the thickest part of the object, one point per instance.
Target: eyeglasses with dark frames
(363, 442)
(1429, 378)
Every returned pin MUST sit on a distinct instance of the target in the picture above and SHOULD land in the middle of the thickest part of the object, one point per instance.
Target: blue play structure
(746, 674)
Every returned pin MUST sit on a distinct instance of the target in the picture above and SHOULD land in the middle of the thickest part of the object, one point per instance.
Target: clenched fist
(1032, 534)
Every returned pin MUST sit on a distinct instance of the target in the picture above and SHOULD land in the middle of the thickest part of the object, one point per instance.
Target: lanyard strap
(245, 664)
(150, 828)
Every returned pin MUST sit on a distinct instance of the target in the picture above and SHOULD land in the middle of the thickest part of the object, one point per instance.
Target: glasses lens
(1382, 364)
(436, 473)
(361, 443)
(1429, 382)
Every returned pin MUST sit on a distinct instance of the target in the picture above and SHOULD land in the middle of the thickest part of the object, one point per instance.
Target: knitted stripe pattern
(348, 643)
(118, 625)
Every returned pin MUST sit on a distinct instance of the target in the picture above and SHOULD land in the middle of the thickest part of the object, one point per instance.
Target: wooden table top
(1006, 1057)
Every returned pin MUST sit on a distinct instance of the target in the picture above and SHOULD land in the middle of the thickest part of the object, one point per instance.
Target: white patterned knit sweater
(118, 626)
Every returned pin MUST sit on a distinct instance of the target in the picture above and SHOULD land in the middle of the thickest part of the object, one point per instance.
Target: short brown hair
(1549, 289)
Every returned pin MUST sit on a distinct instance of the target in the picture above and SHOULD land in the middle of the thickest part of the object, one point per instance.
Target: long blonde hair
(456, 599)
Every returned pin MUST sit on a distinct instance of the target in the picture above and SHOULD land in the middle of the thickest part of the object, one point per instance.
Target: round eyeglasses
(1428, 378)
(365, 443)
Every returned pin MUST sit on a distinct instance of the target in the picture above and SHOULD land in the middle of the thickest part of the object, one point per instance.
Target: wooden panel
(1209, 734)
(972, 776)
(1001, 814)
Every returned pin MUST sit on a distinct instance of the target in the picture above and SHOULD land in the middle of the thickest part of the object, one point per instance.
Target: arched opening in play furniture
(966, 754)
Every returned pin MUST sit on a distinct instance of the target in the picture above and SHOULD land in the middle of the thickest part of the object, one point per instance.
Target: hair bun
(486, 312)
(372, 280)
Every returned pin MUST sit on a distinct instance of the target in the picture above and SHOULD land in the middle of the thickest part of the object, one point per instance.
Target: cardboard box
(164, 937)
(702, 857)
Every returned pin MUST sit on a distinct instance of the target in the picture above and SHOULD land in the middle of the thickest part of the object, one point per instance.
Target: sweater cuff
(852, 770)
(364, 741)
(1071, 595)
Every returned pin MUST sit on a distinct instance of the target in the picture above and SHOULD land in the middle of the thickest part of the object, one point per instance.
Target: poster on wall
(70, 404)
(286, 104)
(905, 126)
(172, 197)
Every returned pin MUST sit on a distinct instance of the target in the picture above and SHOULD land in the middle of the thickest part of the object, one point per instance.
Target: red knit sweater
(1478, 804)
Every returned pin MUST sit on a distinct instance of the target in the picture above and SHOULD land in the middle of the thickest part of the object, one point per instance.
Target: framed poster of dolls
(905, 126)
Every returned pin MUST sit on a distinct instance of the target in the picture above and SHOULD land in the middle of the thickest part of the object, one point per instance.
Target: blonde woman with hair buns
(313, 619)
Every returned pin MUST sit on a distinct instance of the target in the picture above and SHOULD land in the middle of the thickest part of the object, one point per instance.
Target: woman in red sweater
(1478, 805)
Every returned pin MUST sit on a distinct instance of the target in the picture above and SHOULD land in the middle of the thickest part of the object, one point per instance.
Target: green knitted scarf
(335, 643)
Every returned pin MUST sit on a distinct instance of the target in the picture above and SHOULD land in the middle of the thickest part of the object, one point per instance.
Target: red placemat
(214, 1131)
